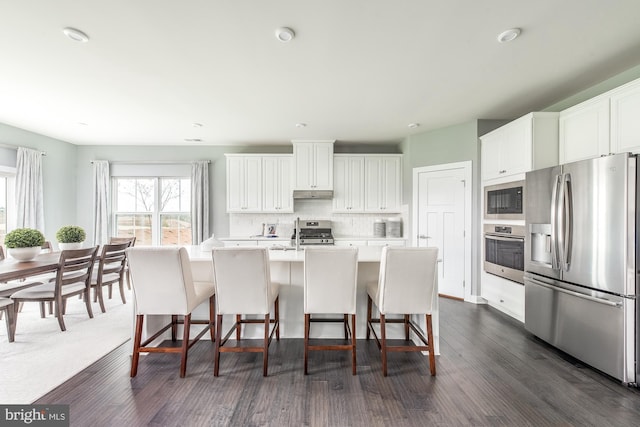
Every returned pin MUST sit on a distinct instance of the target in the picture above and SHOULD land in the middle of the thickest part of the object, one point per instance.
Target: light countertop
(365, 254)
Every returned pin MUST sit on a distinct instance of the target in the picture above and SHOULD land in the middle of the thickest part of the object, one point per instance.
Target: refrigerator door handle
(555, 260)
(575, 294)
(567, 203)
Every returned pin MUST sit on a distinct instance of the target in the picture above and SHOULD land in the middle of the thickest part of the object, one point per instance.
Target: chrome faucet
(298, 234)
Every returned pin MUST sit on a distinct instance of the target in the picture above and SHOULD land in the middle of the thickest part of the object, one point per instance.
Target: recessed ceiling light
(301, 125)
(508, 35)
(197, 125)
(75, 35)
(413, 125)
(285, 34)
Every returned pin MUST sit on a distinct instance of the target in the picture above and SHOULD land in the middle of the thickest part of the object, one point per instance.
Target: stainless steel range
(313, 232)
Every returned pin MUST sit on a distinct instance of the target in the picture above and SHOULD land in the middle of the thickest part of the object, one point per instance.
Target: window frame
(156, 213)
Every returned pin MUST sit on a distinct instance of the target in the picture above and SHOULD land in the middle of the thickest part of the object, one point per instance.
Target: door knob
(422, 236)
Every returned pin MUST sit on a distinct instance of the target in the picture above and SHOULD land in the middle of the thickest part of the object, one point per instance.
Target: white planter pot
(67, 246)
(24, 254)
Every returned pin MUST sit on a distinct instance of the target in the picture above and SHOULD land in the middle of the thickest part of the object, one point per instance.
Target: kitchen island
(287, 267)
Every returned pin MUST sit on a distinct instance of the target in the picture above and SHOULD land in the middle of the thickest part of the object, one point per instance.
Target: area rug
(43, 357)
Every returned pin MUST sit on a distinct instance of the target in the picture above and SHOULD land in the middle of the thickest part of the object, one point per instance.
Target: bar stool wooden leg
(212, 317)
(368, 324)
(276, 312)
(353, 344)
(432, 351)
(406, 327)
(265, 354)
(307, 321)
(174, 327)
(185, 345)
(383, 339)
(136, 345)
(216, 363)
(238, 326)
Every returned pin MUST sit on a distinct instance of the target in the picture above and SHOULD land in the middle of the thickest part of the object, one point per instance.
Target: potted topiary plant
(70, 237)
(24, 244)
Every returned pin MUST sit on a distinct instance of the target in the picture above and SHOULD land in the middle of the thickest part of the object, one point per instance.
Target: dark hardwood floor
(490, 372)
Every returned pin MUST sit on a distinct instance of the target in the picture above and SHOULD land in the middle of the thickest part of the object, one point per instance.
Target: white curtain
(199, 201)
(29, 193)
(100, 202)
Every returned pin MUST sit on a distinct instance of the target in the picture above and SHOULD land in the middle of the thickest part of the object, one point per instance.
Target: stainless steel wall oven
(504, 251)
(504, 201)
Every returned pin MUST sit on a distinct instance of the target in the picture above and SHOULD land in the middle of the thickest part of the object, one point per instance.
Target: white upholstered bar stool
(407, 285)
(330, 281)
(163, 285)
(244, 287)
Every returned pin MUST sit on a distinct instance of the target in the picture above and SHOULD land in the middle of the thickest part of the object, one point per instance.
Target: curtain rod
(15, 147)
(151, 162)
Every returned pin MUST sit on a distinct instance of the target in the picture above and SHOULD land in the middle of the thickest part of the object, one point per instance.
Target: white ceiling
(357, 71)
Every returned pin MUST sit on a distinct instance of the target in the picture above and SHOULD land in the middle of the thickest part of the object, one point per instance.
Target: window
(7, 201)
(157, 211)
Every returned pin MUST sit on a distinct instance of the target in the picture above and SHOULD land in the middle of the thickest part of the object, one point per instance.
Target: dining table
(12, 269)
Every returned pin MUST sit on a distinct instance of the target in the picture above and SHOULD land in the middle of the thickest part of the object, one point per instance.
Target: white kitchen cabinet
(383, 183)
(625, 118)
(584, 130)
(527, 143)
(386, 243)
(348, 183)
(504, 295)
(277, 183)
(239, 243)
(244, 183)
(338, 242)
(605, 124)
(313, 165)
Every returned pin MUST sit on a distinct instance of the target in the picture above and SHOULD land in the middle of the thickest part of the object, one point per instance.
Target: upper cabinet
(313, 165)
(277, 183)
(244, 183)
(625, 118)
(383, 183)
(259, 183)
(367, 183)
(348, 183)
(602, 125)
(584, 130)
(527, 143)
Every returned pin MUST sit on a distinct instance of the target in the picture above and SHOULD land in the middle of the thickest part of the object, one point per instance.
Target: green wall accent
(58, 175)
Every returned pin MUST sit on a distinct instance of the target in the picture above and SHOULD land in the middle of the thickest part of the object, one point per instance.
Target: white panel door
(441, 222)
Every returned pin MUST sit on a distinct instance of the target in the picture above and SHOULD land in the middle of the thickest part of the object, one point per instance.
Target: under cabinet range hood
(313, 194)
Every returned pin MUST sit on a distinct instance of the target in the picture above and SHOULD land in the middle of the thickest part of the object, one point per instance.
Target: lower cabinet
(231, 243)
(375, 242)
(504, 295)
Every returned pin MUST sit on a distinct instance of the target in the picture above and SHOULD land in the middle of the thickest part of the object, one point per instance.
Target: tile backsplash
(343, 224)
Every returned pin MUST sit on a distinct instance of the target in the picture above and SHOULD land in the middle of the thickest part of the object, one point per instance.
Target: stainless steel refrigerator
(581, 261)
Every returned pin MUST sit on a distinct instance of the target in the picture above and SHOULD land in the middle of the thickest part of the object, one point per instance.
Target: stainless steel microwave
(504, 201)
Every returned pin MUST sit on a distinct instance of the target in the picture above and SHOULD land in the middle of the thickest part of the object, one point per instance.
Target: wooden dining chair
(132, 241)
(163, 285)
(109, 272)
(407, 285)
(7, 306)
(244, 287)
(73, 278)
(330, 281)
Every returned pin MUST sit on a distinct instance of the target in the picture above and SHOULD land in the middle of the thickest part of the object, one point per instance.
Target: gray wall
(59, 175)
